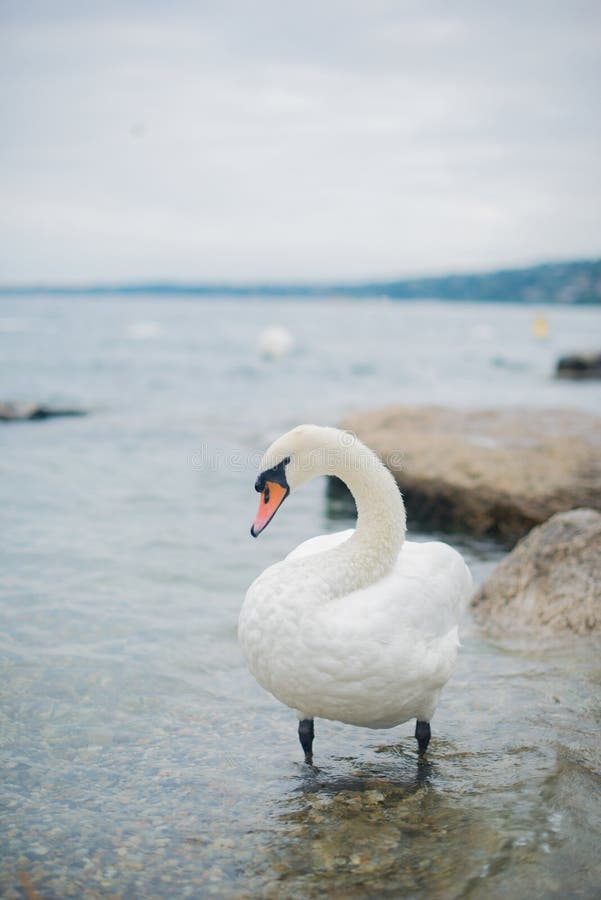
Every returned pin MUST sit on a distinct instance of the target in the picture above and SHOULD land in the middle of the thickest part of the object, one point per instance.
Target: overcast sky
(304, 140)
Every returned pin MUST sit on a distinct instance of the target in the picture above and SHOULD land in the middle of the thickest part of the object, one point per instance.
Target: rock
(579, 366)
(488, 473)
(552, 578)
(20, 412)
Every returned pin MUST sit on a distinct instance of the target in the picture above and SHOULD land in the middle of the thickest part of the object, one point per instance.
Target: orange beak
(272, 497)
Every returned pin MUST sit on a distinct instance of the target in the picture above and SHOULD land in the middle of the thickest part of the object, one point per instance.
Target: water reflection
(378, 827)
(405, 772)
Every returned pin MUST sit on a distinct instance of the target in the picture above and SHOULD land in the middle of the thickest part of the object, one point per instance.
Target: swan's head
(296, 457)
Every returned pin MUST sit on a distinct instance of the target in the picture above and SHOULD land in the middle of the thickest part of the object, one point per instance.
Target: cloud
(236, 141)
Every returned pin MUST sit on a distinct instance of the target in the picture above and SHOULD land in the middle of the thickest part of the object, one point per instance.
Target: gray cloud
(235, 141)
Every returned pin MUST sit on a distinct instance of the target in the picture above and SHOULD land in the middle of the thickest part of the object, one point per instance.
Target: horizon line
(192, 285)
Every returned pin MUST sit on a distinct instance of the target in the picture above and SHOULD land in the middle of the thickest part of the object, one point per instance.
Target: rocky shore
(487, 473)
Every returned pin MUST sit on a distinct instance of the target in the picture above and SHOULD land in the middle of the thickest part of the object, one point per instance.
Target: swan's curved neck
(380, 531)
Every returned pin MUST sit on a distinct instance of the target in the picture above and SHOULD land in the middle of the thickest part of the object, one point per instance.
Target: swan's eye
(266, 494)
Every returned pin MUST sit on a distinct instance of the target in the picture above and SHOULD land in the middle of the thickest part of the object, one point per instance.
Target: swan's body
(359, 626)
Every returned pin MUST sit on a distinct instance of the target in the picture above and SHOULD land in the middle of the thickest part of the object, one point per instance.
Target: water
(139, 757)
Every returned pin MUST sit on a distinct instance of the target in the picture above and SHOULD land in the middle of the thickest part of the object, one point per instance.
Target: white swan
(359, 626)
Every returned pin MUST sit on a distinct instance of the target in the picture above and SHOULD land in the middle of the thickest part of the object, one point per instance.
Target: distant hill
(571, 282)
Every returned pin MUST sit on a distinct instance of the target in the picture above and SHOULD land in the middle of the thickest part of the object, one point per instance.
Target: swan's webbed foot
(422, 734)
(306, 733)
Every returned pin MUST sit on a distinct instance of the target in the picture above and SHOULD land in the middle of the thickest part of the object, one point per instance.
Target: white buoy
(275, 342)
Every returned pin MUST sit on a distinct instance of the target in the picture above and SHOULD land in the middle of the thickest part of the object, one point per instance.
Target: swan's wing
(320, 543)
(423, 596)
(397, 636)
(426, 592)
(446, 581)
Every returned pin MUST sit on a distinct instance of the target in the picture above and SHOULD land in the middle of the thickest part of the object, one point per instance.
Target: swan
(360, 626)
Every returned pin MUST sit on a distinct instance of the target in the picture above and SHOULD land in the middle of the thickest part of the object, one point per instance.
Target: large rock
(487, 473)
(552, 578)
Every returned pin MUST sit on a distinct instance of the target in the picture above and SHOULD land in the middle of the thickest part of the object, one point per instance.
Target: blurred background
(218, 220)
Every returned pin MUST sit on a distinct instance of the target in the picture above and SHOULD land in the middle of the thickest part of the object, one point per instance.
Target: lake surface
(139, 757)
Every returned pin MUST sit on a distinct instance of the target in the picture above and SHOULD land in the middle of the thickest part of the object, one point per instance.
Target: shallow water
(139, 758)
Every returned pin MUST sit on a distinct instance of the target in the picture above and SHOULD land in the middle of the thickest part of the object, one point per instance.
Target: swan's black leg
(422, 733)
(306, 733)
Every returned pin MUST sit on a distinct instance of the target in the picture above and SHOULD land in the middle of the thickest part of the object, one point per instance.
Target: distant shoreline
(577, 282)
